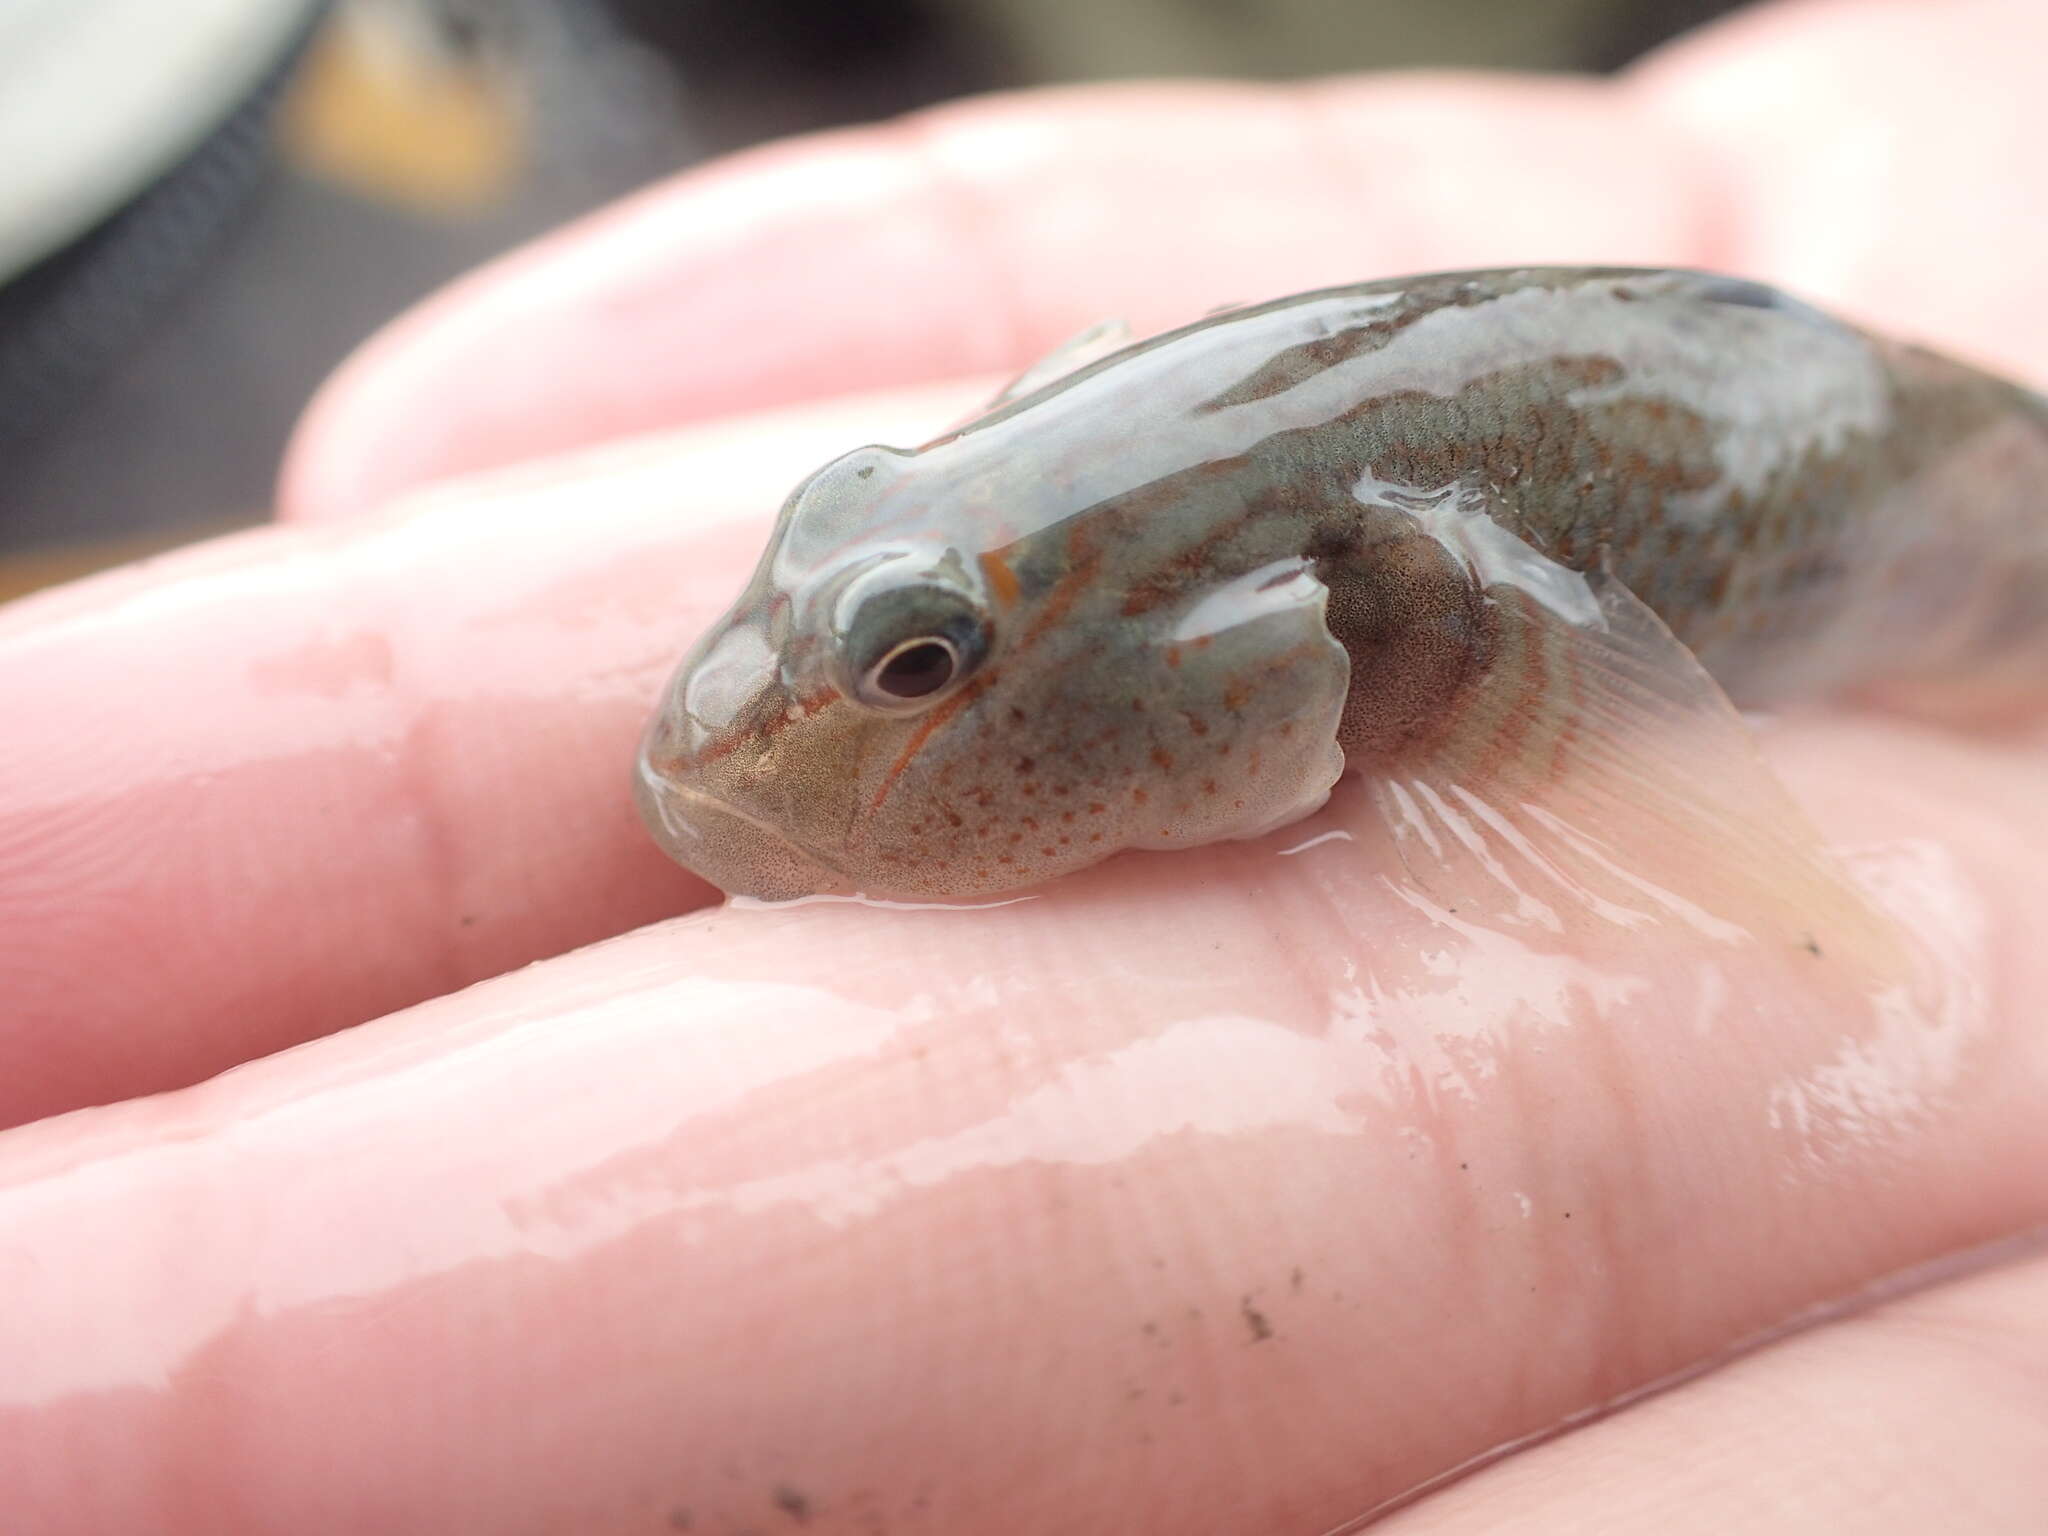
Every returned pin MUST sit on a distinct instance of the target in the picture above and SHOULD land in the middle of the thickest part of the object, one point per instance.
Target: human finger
(1924, 1414)
(1212, 1189)
(286, 782)
(1877, 153)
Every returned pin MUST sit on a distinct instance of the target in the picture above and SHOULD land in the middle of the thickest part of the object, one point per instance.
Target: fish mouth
(737, 852)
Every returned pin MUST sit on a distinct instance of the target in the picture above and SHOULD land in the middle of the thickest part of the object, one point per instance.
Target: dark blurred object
(1117, 39)
(454, 143)
(1633, 30)
(64, 318)
(758, 70)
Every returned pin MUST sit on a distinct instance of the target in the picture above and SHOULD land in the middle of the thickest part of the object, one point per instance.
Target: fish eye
(914, 669)
(906, 646)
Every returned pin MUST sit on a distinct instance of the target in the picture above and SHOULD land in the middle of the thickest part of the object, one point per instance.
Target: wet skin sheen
(1170, 595)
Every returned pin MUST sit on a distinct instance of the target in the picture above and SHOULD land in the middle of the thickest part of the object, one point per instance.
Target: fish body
(1427, 528)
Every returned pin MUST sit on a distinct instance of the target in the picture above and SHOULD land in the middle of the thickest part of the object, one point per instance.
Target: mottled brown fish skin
(1203, 559)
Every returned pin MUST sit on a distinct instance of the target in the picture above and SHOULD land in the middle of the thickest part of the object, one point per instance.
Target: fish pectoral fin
(1070, 356)
(1243, 694)
(1597, 780)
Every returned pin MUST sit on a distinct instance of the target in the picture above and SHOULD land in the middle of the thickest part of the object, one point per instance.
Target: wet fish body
(1462, 533)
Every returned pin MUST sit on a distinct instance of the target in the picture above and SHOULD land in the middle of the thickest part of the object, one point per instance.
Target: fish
(1515, 547)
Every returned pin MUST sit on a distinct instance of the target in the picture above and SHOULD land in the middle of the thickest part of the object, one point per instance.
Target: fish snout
(715, 839)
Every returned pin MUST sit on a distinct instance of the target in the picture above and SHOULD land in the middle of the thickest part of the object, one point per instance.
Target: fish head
(918, 697)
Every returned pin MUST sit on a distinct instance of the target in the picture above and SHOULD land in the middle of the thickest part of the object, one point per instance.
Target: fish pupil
(916, 668)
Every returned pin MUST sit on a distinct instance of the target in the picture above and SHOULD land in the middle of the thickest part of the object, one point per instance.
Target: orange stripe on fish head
(925, 727)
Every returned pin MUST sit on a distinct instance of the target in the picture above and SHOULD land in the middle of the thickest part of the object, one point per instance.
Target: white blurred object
(100, 97)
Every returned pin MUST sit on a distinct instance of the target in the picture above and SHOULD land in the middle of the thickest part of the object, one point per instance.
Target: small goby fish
(1469, 534)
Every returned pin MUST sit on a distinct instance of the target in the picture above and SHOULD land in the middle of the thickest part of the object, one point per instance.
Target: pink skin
(1209, 1191)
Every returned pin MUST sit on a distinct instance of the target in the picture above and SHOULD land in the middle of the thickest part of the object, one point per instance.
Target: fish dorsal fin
(1597, 781)
(1070, 356)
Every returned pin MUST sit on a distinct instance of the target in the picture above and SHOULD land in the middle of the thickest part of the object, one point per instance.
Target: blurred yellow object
(378, 108)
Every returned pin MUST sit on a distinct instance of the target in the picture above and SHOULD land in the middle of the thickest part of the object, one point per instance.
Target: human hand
(1210, 1191)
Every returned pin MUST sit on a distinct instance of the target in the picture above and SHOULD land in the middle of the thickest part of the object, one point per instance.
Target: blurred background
(207, 203)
